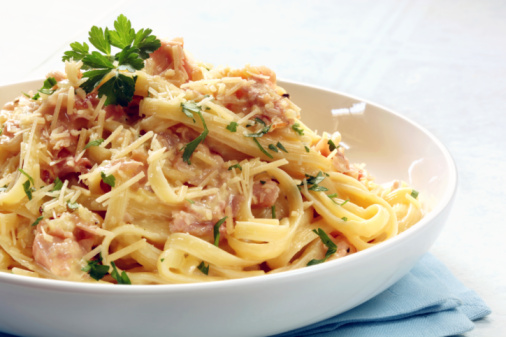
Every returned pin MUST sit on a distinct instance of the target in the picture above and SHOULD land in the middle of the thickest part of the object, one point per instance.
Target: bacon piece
(172, 62)
(264, 194)
(60, 243)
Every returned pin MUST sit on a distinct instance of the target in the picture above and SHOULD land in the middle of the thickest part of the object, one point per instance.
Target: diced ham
(172, 62)
(265, 193)
(60, 243)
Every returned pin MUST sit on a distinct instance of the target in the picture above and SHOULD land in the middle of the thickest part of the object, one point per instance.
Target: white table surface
(440, 63)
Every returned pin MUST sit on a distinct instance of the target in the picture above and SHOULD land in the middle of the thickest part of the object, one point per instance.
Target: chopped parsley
(95, 142)
(72, 205)
(262, 131)
(262, 149)
(281, 147)
(332, 145)
(331, 246)
(58, 184)
(134, 47)
(297, 129)
(414, 194)
(272, 147)
(96, 269)
(26, 185)
(120, 278)
(306, 148)
(47, 88)
(344, 218)
(216, 231)
(235, 166)
(273, 211)
(203, 268)
(314, 181)
(108, 179)
(189, 108)
(36, 222)
(232, 127)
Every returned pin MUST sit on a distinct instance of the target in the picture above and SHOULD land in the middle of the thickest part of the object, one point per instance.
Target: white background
(440, 63)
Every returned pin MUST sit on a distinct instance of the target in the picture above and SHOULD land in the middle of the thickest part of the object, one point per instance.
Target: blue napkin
(429, 301)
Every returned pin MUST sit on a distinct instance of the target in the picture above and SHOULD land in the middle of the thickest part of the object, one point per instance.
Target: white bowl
(392, 146)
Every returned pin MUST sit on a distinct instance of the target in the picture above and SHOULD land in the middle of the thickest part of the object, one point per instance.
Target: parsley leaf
(27, 175)
(273, 211)
(108, 179)
(262, 149)
(297, 129)
(331, 246)
(307, 148)
(235, 166)
(120, 278)
(262, 131)
(36, 222)
(313, 181)
(203, 268)
(100, 39)
(78, 52)
(414, 194)
(124, 34)
(134, 49)
(119, 89)
(272, 147)
(26, 185)
(47, 88)
(344, 218)
(281, 147)
(332, 145)
(189, 108)
(95, 142)
(58, 184)
(96, 269)
(232, 127)
(72, 205)
(216, 231)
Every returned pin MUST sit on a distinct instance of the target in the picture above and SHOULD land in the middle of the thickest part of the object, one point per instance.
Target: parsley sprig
(331, 246)
(189, 109)
(134, 47)
(314, 181)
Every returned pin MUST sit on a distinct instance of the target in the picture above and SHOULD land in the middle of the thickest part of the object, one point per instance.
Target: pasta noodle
(208, 174)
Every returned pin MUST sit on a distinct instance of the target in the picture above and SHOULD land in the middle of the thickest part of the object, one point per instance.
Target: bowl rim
(112, 289)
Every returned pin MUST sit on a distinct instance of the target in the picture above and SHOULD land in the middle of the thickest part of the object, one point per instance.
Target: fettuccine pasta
(207, 174)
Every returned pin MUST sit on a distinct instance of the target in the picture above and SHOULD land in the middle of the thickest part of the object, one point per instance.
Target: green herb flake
(272, 147)
(27, 175)
(232, 127)
(36, 222)
(306, 148)
(262, 149)
(332, 145)
(273, 211)
(203, 268)
(189, 108)
(72, 205)
(216, 231)
(344, 202)
(344, 218)
(331, 246)
(120, 278)
(297, 129)
(96, 269)
(47, 88)
(281, 147)
(58, 184)
(262, 131)
(235, 166)
(414, 194)
(95, 142)
(108, 179)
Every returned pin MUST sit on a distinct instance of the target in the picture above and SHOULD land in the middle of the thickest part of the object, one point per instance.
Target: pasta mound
(208, 174)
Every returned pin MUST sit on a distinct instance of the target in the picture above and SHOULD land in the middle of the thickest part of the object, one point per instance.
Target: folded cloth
(429, 301)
